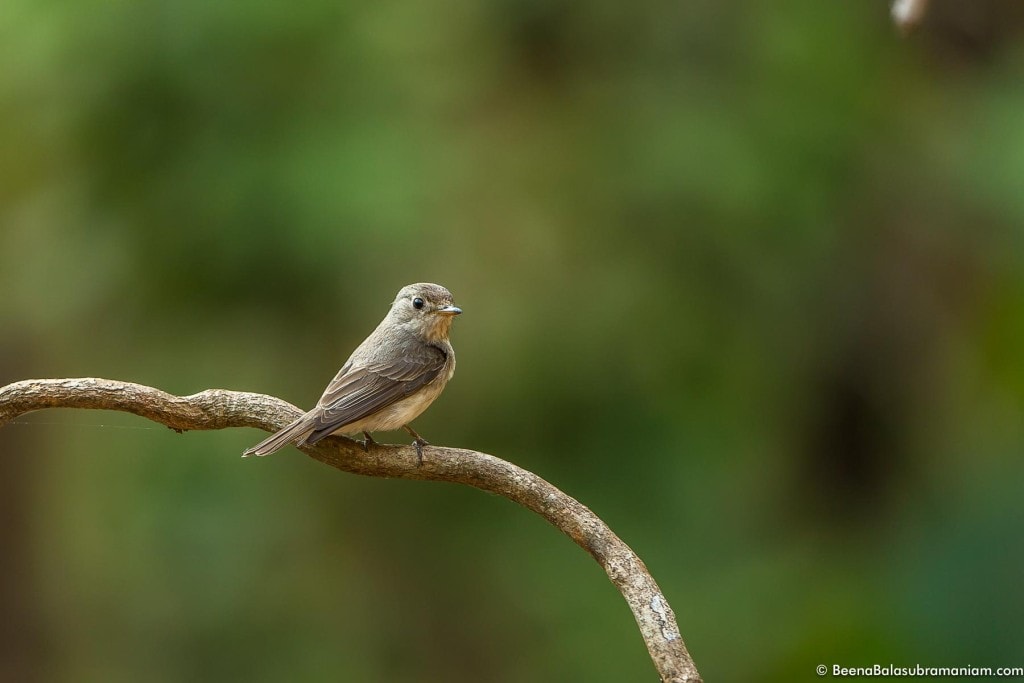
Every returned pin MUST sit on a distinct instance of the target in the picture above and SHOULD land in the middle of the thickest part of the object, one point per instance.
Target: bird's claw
(368, 441)
(419, 443)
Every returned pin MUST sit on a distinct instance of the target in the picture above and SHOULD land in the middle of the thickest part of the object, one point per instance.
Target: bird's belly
(396, 415)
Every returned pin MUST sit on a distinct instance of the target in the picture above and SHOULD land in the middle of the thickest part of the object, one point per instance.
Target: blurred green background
(745, 278)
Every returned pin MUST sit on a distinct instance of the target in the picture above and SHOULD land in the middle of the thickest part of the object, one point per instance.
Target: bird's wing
(358, 392)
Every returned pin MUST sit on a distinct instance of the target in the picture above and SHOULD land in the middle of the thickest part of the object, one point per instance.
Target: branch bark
(220, 408)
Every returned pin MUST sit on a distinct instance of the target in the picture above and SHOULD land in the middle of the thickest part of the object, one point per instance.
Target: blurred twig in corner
(908, 13)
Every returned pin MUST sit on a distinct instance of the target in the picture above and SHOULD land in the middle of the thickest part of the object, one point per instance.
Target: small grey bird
(389, 379)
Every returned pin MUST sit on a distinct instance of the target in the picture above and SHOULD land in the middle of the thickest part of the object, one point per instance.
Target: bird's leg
(368, 442)
(418, 441)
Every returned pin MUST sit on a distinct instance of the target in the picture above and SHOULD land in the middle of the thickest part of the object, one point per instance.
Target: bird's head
(426, 308)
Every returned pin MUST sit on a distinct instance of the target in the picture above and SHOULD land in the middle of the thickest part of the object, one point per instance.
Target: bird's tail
(278, 440)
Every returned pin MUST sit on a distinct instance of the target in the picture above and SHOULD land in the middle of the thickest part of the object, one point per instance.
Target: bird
(389, 380)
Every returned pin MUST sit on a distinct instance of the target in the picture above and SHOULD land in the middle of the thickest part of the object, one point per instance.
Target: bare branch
(908, 13)
(219, 409)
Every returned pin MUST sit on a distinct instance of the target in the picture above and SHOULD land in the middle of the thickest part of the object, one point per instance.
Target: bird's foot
(368, 442)
(418, 441)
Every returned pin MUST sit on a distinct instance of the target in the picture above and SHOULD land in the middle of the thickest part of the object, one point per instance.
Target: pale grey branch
(219, 408)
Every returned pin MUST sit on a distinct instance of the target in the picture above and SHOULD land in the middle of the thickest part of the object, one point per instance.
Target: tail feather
(278, 440)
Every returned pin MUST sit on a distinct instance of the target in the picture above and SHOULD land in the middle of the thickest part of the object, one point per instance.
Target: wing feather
(357, 393)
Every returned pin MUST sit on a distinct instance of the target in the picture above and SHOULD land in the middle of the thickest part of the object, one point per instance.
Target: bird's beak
(449, 310)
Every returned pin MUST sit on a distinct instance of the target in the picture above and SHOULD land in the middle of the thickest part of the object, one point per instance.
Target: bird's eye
(417, 303)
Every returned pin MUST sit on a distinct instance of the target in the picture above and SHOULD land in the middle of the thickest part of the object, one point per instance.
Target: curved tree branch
(219, 408)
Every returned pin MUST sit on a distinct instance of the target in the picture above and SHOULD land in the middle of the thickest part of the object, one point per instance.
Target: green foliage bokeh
(745, 278)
